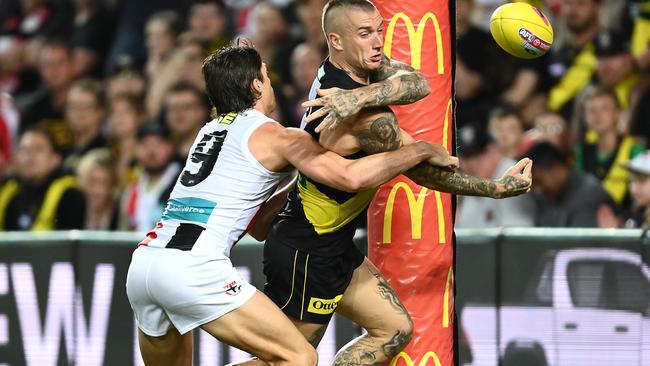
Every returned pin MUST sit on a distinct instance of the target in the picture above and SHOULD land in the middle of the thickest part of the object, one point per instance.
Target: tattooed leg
(315, 337)
(313, 332)
(370, 302)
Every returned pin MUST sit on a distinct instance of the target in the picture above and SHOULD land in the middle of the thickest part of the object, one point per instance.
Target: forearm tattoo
(457, 182)
(412, 85)
(383, 133)
(380, 135)
(410, 88)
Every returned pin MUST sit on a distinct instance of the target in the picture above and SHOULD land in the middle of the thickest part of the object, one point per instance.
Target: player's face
(268, 95)
(362, 39)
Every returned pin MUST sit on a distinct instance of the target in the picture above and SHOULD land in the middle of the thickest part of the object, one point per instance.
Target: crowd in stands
(101, 100)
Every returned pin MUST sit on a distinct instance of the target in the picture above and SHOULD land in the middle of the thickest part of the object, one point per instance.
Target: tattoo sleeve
(382, 133)
(395, 83)
(455, 182)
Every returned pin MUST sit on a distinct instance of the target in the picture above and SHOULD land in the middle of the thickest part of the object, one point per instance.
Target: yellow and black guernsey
(319, 219)
(309, 255)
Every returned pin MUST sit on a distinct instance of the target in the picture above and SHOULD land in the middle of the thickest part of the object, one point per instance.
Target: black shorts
(305, 286)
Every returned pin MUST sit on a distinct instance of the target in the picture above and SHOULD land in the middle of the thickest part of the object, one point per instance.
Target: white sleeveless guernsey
(220, 189)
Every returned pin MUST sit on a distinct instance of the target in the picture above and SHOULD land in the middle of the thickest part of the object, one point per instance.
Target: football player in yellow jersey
(312, 267)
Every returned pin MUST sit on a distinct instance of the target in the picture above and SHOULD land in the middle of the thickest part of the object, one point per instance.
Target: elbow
(259, 236)
(357, 183)
(426, 87)
(351, 182)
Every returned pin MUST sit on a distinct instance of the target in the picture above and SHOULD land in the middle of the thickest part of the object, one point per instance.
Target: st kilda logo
(232, 288)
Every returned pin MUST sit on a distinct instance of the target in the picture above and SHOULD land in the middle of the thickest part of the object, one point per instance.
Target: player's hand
(516, 180)
(440, 157)
(336, 105)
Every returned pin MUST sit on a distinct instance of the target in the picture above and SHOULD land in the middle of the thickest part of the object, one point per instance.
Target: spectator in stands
(129, 39)
(549, 127)
(639, 169)
(143, 201)
(125, 116)
(85, 113)
(269, 32)
(309, 13)
(96, 174)
(480, 157)
(567, 197)
(305, 60)
(125, 78)
(186, 111)
(207, 21)
(193, 53)
(45, 107)
(184, 65)
(572, 63)
(479, 62)
(615, 65)
(41, 196)
(161, 30)
(507, 129)
(603, 156)
(91, 36)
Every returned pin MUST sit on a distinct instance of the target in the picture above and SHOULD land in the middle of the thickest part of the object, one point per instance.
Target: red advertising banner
(410, 228)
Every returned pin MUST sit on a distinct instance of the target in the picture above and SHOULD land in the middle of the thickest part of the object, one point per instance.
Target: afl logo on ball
(533, 44)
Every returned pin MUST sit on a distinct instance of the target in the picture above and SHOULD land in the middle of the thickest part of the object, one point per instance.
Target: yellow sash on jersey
(640, 42)
(576, 77)
(617, 180)
(8, 191)
(46, 217)
(327, 215)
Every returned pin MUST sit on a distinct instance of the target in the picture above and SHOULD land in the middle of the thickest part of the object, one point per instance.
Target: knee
(398, 336)
(406, 331)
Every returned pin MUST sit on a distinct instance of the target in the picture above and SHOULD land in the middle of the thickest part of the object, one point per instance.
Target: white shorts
(170, 286)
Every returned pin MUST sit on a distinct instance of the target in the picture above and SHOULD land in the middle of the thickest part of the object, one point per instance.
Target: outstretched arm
(276, 147)
(516, 181)
(382, 133)
(393, 83)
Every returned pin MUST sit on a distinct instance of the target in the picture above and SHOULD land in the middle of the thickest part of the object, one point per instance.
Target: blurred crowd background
(100, 101)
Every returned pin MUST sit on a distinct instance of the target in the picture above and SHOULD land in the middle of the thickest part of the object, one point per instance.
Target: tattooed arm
(514, 182)
(393, 83)
(381, 132)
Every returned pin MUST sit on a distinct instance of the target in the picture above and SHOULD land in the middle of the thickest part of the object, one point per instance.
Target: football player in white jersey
(180, 276)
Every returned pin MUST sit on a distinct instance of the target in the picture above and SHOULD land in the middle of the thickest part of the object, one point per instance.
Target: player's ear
(257, 86)
(335, 40)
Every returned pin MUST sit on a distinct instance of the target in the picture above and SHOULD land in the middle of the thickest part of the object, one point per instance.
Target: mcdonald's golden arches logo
(416, 37)
(423, 361)
(416, 207)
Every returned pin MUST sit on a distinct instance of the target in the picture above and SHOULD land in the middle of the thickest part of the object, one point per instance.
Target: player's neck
(259, 106)
(360, 76)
